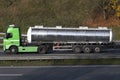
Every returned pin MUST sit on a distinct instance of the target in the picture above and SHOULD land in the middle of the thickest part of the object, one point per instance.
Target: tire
(13, 49)
(77, 49)
(97, 49)
(87, 49)
(42, 50)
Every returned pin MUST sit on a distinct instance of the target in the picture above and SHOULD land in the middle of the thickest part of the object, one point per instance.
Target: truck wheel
(42, 50)
(77, 49)
(97, 49)
(87, 49)
(13, 49)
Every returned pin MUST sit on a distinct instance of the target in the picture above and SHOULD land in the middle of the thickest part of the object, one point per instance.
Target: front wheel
(42, 50)
(13, 49)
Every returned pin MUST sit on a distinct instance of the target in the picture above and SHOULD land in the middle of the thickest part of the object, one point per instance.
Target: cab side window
(9, 35)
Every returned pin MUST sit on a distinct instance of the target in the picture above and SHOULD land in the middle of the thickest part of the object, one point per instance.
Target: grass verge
(61, 62)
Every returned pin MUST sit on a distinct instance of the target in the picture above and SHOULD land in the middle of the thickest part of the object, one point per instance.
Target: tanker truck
(44, 39)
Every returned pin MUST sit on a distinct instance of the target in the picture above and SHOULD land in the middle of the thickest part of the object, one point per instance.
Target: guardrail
(58, 56)
(2, 33)
(1, 44)
(1, 39)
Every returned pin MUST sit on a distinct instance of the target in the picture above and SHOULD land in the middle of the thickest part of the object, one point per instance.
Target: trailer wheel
(77, 49)
(13, 49)
(42, 50)
(97, 49)
(87, 49)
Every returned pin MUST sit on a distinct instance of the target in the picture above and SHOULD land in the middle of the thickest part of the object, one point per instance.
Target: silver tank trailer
(81, 34)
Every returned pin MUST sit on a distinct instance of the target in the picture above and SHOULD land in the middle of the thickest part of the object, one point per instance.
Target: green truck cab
(12, 41)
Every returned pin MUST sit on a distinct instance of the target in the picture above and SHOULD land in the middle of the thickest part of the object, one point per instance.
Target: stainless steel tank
(47, 34)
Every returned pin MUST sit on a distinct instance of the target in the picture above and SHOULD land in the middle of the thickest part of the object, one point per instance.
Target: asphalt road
(88, 72)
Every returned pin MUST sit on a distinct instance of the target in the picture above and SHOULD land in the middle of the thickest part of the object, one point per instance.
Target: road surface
(83, 72)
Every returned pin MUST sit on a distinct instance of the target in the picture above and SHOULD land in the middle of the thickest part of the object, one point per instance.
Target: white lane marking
(10, 75)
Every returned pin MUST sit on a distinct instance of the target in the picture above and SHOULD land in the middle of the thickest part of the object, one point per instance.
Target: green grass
(61, 62)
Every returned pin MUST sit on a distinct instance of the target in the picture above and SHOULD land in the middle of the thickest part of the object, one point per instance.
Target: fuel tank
(59, 34)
